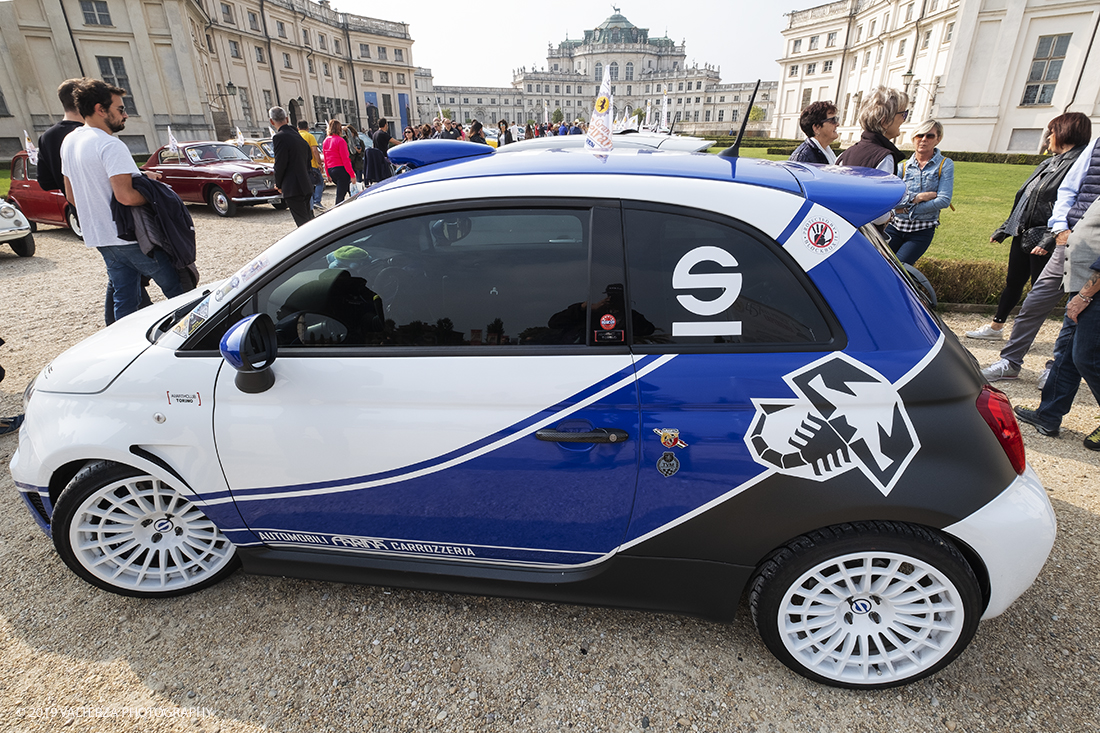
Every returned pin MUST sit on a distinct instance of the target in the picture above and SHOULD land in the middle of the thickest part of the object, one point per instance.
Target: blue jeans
(909, 246)
(1076, 356)
(125, 266)
(318, 186)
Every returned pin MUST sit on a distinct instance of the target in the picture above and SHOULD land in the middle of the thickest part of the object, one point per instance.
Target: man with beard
(97, 165)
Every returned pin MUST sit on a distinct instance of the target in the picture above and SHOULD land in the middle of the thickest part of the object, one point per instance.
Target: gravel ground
(258, 653)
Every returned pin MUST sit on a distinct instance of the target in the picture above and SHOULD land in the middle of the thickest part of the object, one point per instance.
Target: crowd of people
(1053, 231)
(1053, 227)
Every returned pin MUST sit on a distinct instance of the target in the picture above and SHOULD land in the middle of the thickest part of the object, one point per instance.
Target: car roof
(859, 195)
(627, 139)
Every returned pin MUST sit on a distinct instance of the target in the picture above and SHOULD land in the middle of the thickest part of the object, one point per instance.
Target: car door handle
(598, 435)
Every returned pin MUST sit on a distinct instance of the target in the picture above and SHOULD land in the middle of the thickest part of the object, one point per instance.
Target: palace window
(112, 70)
(792, 71)
(1046, 67)
(325, 69)
(830, 40)
(286, 61)
(383, 77)
(95, 12)
(309, 63)
(826, 67)
(364, 51)
(381, 54)
(253, 21)
(368, 75)
(630, 71)
(234, 49)
(322, 43)
(796, 46)
(227, 13)
(260, 55)
(811, 69)
(400, 78)
(280, 28)
(901, 47)
(721, 115)
(399, 55)
(814, 40)
(599, 72)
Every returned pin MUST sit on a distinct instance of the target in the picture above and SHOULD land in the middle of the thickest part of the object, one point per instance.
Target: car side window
(498, 277)
(697, 281)
(17, 171)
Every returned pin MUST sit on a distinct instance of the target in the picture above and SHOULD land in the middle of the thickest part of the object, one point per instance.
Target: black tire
(220, 202)
(849, 635)
(23, 247)
(73, 222)
(144, 539)
(279, 205)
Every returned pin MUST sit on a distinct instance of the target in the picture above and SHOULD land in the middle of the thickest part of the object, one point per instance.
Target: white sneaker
(1043, 378)
(1001, 369)
(987, 333)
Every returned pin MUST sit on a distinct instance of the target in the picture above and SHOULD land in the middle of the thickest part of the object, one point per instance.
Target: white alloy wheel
(871, 617)
(848, 616)
(133, 534)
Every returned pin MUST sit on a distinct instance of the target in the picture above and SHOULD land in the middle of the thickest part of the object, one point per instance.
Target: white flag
(648, 110)
(664, 113)
(599, 128)
(173, 144)
(32, 151)
(240, 137)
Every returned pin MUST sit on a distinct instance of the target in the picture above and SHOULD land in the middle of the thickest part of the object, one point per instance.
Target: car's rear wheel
(23, 247)
(866, 605)
(132, 534)
(220, 202)
(73, 222)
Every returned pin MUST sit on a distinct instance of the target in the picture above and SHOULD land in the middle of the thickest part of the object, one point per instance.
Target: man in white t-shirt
(96, 164)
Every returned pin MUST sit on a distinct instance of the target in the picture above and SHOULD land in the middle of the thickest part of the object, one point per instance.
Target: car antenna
(733, 150)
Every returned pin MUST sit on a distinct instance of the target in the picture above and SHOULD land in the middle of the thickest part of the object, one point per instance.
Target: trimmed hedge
(957, 281)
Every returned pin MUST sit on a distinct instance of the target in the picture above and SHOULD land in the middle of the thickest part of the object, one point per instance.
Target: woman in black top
(1032, 243)
(505, 134)
(476, 134)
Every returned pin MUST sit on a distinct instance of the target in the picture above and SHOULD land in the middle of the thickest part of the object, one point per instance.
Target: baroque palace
(641, 69)
(203, 67)
(994, 72)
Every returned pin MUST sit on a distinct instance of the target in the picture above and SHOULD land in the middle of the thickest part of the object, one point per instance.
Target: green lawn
(983, 200)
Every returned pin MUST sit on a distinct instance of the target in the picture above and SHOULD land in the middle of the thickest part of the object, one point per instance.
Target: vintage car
(15, 230)
(216, 173)
(40, 207)
(258, 150)
(665, 381)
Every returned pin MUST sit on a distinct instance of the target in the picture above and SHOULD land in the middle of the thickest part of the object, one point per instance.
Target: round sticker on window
(607, 322)
(820, 234)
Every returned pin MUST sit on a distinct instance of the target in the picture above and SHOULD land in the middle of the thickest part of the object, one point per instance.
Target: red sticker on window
(607, 322)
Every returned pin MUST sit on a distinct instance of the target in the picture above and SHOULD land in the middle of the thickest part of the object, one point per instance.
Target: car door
(36, 204)
(444, 389)
(733, 314)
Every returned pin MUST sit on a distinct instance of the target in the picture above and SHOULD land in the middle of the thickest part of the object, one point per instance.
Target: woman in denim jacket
(929, 181)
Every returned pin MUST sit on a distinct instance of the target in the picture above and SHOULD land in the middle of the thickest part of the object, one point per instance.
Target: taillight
(995, 408)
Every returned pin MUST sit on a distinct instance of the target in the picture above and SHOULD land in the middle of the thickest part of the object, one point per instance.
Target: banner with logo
(173, 144)
(599, 128)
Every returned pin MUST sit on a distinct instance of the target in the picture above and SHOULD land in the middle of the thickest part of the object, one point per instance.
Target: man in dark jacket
(292, 161)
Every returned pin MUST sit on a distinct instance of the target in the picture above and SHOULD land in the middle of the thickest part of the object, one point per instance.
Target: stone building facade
(994, 72)
(641, 69)
(203, 67)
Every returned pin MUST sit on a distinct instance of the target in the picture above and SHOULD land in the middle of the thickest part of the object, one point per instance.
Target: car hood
(228, 168)
(91, 365)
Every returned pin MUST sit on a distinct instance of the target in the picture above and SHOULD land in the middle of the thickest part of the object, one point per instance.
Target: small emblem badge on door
(670, 437)
(668, 464)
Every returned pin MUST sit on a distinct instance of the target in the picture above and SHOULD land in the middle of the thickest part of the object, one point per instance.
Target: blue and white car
(639, 379)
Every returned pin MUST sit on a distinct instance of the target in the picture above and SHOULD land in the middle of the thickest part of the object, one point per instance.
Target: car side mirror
(250, 347)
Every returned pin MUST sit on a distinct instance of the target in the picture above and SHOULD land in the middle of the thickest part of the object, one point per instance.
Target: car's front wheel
(866, 605)
(220, 202)
(130, 533)
(24, 247)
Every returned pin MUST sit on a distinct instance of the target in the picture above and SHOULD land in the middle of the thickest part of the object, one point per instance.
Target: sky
(740, 36)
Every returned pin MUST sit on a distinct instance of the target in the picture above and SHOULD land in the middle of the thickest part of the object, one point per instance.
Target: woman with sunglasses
(929, 182)
(881, 118)
(408, 135)
(819, 122)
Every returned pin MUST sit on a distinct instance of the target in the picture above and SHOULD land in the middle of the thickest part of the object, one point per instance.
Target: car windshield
(268, 148)
(213, 153)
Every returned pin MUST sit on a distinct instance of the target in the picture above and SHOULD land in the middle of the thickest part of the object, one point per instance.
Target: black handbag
(1032, 238)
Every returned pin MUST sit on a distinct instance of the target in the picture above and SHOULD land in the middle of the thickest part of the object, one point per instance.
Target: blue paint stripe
(802, 214)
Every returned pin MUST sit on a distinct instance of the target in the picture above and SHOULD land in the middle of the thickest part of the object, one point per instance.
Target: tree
(447, 113)
(756, 114)
(639, 116)
(557, 117)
